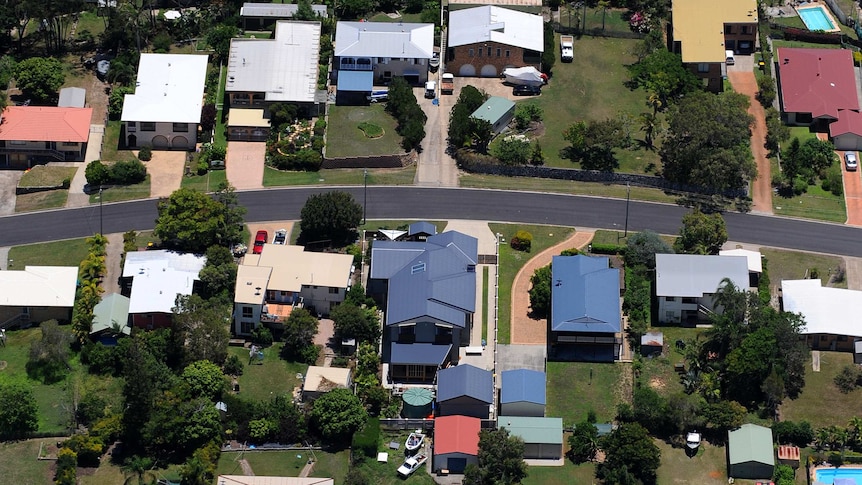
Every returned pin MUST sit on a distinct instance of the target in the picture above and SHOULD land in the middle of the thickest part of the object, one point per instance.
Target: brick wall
(460, 56)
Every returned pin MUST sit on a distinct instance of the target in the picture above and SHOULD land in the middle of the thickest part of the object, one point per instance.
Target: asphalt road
(444, 203)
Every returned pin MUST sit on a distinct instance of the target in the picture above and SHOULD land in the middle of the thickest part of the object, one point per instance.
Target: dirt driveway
(166, 172)
(744, 82)
(852, 192)
(245, 164)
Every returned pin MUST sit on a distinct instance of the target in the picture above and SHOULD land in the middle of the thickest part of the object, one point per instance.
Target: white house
(831, 314)
(153, 279)
(686, 284)
(165, 110)
(387, 49)
(36, 294)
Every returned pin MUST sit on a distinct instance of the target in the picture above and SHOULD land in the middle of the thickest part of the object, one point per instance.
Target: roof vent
(417, 268)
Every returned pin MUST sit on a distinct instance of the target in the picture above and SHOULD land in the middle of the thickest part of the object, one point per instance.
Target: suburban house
(111, 319)
(261, 16)
(686, 284)
(420, 231)
(754, 259)
(529, 6)
(701, 32)
(483, 41)
(36, 294)
(264, 480)
(464, 390)
(750, 452)
(586, 322)
(817, 88)
(30, 135)
(271, 284)
(72, 98)
(387, 49)
(522, 393)
(456, 443)
(320, 380)
(427, 291)
(247, 125)
(283, 69)
(497, 111)
(153, 279)
(543, 437)
(831, 314)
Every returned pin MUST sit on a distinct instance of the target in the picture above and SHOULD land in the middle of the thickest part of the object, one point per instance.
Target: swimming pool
(828, 475)
(816, 18)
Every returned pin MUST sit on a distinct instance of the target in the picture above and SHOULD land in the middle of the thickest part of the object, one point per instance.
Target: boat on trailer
(414, 441)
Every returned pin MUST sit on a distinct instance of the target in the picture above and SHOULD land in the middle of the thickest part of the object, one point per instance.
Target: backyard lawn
(820, 403)
(571, 393)
(20, 464)
(345, 139)
(567, 474)
(275, 376)
(708, 467)
(341, 176)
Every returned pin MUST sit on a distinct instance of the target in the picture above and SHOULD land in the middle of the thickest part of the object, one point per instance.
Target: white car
(850, 161)
(412, 464)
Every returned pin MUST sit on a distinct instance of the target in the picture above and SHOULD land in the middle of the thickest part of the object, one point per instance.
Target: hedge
(603, 248)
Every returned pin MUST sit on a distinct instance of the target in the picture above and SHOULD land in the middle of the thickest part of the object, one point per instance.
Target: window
(471, 268)
(480, 52)
(703, 67)
(728, 29)
(842, 338)
(489, 52)
(498, 51)
(690, 301)
(132, 124)
(745, 29)
(415, 372)
(181, 127)
(669, 298)
(669, 315)
(472, 53)
(148, 126)
(246, 327)
(283, 294)
(247, 312)
(17, 142)
(508, 53)
(70, 144)
(333, 290)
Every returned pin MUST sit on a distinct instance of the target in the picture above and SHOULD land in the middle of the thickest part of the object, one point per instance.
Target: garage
(160, 142)
(467, 70)
(180, 143)
(489, 71)
(543, 437)
(456, 443)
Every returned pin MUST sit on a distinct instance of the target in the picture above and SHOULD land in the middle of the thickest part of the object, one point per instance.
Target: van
(729, 58)
(430, 89)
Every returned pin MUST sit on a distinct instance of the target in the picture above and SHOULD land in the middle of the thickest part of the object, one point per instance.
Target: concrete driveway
(8, 182)
(245, 164)
(166, 172)
(852, 192)
(436, 168)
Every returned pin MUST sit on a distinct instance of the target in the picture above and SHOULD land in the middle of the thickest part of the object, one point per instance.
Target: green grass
(565, 380)
(58, 253)
(340, 176)
(20, 464)
(274, 377)
(331, 465)
(110, 473)
(567, 474)
(708, 467)
(370, 129)
(821, 403)
(110, 144)
(799, 44)
(220, 130)
(795, 22)
(562, 186)
(658, 372)
(795, 265)
(485, 304)
(46, 176)
(344, 139)
(510, 261)
(91, 22)
(613, 20)
(802, 132)
(205, 183)
(50, 199)
(385, 473)
(816, 203)
(603, 236)
(123, 192)
(265, 463)
(405, 17)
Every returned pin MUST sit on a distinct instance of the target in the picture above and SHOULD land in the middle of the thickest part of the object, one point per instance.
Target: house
(387, 49)
(264, 480)
(749, 451)
(30, 135)
(702, 31)
(247, 125)
(165, 110)
(522, 393)
(110, 318)
(320, 380)
(755, 263)
(585, 321)
(427, 291)
(817, 88)
(283, 276)
(831, 314)
(529, 6)
(72, 98)
(283, 69)
(483, 41)
(37, 294)
(420, 231)
(464, 390)
(153, 279)
(497, 111)
(456, 443)
(686, 284)
(652, 344)
(543, 437)
(857, 352)
(354, 88)
(261, 16)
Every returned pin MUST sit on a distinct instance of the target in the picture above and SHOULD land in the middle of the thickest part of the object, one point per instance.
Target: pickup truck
(447, 83)
(412, 464)
(430, 90)
(567, 48)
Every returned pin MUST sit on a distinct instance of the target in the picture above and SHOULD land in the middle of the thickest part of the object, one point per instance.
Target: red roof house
(456, 442)
(37, 134)
(846, 132)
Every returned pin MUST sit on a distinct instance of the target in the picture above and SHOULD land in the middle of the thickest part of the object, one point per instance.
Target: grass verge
(340, 176)
(111, 144)
(795, 265)
(57, 253)
(816, 203)
(123, 192)
(568, 379)
(50, 199)
(562, 186)
(345, 139)
(275, 376)
(205, 183)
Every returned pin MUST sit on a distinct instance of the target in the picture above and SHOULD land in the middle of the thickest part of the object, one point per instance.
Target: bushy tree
(204, 379)
(513, 151)
(642, 247)
(357, 323)
(663, 76)
(402, 105)
(629, 451)
(116, 99)
(200, 328)
(40, 77)
(526, 113)
(219, 38)
(219, 274)
(583, 442)
(501, 460)
(49, 356)
(330, 216)
(701, 233)
(193, 221)
(540, 292)
(462, 126)
(19, 413)
(299, 331)
(338, 414)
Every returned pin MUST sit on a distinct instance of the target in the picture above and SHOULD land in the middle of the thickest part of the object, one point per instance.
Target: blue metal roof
(465, 380)
(355, 81)
(585, 295)
(523, 385)
(421, 227)
(419, 354)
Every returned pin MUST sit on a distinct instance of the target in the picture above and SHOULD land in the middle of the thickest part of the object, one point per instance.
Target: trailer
(567, 46)
(447, 83)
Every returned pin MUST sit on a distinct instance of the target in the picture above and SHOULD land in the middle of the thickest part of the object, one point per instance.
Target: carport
(354, 88)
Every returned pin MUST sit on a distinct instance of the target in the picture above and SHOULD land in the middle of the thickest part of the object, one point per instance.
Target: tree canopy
(701, 233)
(330, 216)
(463, 128)
(19, 413)
(200, 329)
(299, 330)
(40, 77)
(642, 247)
(662, 74)
(338, 414)
(629, 452)
(355, 322)
(501, 460)
(540, 292)
(193, 221)
(204, 379)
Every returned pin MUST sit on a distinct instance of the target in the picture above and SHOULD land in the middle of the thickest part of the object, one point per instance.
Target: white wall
(238, 318)
(321, 299)
(163, 138)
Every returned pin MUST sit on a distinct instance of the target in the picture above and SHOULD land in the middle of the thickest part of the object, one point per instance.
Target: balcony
(361, 65)
(44, 152)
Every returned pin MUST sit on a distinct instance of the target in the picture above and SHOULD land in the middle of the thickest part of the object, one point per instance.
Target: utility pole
(101, 230)
(365, 196)
(628, 198)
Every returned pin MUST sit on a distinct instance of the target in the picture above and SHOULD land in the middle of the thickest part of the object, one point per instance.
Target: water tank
(417, 403)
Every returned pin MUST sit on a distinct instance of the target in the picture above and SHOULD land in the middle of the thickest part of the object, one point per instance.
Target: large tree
(204, 379)
(701, 233)
(338, 414)
(642, 247)
(629, 451)
(331, 216)
(663, 76)
(355, 322)
(40, 78)
(19, 413)
(501, 460)
(299, 331)
(193, 221)
(200, 329)
(461, 125)
(219, 274)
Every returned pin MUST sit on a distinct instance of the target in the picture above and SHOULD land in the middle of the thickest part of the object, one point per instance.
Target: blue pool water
(828, 475)
(816, 18)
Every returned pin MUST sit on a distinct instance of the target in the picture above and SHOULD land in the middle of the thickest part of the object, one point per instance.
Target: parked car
(259, 240)
(524, 90)
(850, 160)
(280, 237)
(434, 62)
(430, 89)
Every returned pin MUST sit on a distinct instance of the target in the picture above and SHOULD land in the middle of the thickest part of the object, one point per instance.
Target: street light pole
(365, 196)
(628, 198)
(101, 229)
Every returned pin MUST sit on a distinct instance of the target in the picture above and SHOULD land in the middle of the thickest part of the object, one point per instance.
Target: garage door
(160, 141)
(467, 70)
(457, 465)
(180, 142)
(489, 71)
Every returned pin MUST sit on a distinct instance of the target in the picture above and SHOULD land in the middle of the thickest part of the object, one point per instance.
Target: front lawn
(821, 403)
(340, 176)
(123, 192)
(571, 393)
(111, 150)
(275, 376)
(205, 183)
(816, 203)
(47, 176)
(344, 138)
(58, 253)
(795, 265)
(49, 199)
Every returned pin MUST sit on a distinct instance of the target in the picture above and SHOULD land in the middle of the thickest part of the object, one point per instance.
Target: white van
(729, 58)
(430, 89)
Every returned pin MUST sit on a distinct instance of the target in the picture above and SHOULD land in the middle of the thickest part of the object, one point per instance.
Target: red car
(259, 240)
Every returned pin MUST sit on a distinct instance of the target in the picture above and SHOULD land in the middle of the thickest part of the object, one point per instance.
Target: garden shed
(543, 437)
(522, 393)
(456, 443)
(465, 390)
(750, 454)
(497, 111)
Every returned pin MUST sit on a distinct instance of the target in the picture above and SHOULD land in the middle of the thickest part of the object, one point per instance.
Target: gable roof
(276, 10)
(585, 295)
(262, 480)
(493, 109)
(849, 121)
(699, 26)
(293, 268)
(496, 24)
(456, 434)
(421, 227)
(753, 258)
(465, 380)
(384, 39)
(825, 310)
(419, 353)
(522, 385)
(36, 286)
(533, 429)
(695, 275)
(112, 308)
(284, 68)
(158, 277)
(750, 443)
(817, 81)
(316, 377)
(170, 89)
(45, 123)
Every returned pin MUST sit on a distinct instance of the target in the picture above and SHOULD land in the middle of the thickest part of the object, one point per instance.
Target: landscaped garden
(344, 137)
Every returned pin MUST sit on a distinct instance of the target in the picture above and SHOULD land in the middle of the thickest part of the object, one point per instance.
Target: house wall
(250, 323)
(463, 406)
(504, 120)
(522, 408)
(454, 462)
(384, 68)
(20, 153)
(684, 310)
(37, 314)
(543, 451)
(247, 133)
(426, 332)
(151, 321)
(825, 341)
(322, 298)
(162, 138)
(847, 141)
(751, 470)
(740, 37)
(711, 73)
(461, 63)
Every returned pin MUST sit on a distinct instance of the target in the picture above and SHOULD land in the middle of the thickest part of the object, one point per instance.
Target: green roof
(493, 109)
(534, 429)
(751, 443)
(418, 396)
(112, 308)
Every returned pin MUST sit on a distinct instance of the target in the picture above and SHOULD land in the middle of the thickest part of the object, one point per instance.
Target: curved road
(386, 202)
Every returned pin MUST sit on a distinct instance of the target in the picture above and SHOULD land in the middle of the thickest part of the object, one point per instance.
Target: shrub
(847, 379)
(145, 154)
(208, 117)
(261, 336)
(233, 366)
(202, 168)
(320, 127)
(832, 181)
(766, 91)
(128, 172)
(97, 173)
(88, 448)
(365, 441)
(525, 113)
(162, 43)
(522, 241)
(67, 462)
(603, 248)
(309, 354)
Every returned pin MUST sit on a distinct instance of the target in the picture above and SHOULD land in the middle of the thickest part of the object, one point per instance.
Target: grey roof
(112, 308)
(428, 279)
(422, 227)
(465, 380)
(419, 354)
(522, 385)
(585, 295)
(493, 109)
(384, 39)
(72, 98)
(276, 10)
(692, 275)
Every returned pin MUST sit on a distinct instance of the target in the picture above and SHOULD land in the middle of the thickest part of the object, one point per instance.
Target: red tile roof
(456, 434)
(786, 452)
(45, 123)
(817, 81)
(848, 122)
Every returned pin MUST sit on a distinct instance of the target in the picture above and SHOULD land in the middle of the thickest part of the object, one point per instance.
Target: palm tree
(821, 439)
(649, 125)
(138, 467)
(854, 431)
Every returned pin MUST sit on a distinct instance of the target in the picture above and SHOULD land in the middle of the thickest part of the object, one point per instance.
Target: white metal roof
(826, 310)
(693, 275)
(284, 68)
(170, 88)
(35, 286)
(72, 98)
(755, 259)
(314, 378)
(384, 39)
(496, 24)
(158, 277)
(276, 10)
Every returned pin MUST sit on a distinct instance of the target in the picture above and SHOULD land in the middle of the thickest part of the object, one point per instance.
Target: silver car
(850, 160)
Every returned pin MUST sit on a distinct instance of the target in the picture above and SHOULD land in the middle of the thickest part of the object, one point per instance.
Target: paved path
(244, 165)
(526, 330)
(8, 182)
(166, 172)
(77, 197)
(113, 270)
(761, 188)
(436, 168)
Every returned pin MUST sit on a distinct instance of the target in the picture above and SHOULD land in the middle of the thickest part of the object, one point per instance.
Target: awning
(419, 354)
(362, 81)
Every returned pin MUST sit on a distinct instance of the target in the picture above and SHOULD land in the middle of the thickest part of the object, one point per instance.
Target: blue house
(585, 319)
(427, 291)
(522, 393)
(464, 390)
